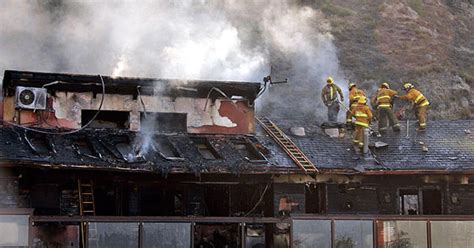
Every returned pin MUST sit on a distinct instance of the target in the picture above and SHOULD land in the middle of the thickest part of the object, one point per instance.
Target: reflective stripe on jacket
(329, 93)
(363, 115)
(416, 98)
(384, 98)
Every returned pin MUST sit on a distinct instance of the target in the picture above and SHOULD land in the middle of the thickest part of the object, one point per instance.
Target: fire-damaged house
(92, 161)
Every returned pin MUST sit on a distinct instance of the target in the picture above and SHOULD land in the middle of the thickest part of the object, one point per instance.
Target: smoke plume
(202, 39)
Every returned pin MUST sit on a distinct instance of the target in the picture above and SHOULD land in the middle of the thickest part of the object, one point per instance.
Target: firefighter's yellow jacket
(384, 98)
(363, 115)
(416, 98)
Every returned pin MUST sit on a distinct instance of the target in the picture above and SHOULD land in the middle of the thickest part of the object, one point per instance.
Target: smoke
(205, 39)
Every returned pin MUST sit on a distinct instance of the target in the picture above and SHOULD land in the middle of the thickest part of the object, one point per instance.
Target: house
(184, 163)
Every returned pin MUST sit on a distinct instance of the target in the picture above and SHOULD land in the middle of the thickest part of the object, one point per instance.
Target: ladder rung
(86, 185)
(88, 211)
(87, 202)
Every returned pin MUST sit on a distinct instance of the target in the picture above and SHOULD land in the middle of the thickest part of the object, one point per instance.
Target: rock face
(429, 43)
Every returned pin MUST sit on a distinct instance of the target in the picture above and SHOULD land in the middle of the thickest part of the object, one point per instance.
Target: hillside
(427, 42)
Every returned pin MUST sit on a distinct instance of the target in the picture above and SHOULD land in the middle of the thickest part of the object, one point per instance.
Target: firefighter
(363, 117)
(420, 104)
(383, 101)
(329, 97)
(354, 94)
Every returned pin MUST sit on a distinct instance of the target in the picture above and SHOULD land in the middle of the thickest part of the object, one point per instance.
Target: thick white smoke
(205, 39)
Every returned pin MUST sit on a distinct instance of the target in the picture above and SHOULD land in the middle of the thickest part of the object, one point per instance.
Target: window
(401, 234)
(424, 201)
(409, 204)
(163, 122)
(205, 148)
(248, 150)
(167, 235)
(106, 119)
(452, 234)
(354, 233)
(312, 233)
(113, 235)
(14, 230)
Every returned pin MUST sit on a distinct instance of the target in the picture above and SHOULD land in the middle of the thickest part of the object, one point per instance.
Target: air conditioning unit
(30, 97)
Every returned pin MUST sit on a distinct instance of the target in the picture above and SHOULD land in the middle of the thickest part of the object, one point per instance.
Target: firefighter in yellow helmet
(354, 95)
(329, 97)
(383, 101)
(420, 103)
(363, 117)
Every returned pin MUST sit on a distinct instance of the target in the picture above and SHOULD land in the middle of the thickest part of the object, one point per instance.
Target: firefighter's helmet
(362, 100)
(330, 80)
(408, 86)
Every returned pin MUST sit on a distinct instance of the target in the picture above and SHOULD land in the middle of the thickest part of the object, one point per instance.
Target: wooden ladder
(293, 151)
(87, 208)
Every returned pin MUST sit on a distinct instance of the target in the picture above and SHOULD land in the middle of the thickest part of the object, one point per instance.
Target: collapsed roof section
(128, 85)
(107, 149)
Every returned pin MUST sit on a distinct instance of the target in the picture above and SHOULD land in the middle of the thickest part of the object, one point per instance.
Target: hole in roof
(83, 145)
(205, 148)
(126, 148)
(166, 148)
(106, 119)
(248, 150)
(38, 143)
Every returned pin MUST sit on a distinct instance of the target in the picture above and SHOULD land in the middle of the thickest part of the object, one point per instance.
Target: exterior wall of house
(203, 115)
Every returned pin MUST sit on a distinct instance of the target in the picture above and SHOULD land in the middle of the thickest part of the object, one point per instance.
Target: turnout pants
(358, 136)
(421, 114)
(333, 110)
(385, 115)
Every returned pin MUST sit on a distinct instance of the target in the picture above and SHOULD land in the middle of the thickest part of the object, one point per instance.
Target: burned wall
(460, 199)
(203, 115)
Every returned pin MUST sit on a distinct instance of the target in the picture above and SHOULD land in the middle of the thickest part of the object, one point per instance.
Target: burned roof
(450, 147)
(114, 149)
(127, 85)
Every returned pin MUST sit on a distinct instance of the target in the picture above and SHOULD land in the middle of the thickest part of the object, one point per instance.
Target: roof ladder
(87, 208)
(288, 146)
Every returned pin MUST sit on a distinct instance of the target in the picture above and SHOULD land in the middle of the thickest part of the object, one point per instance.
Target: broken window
(409, 204)
(106, 119)
(248, 150)
(163, 122)
(166, 149)
(217, 235)
(205, 148)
